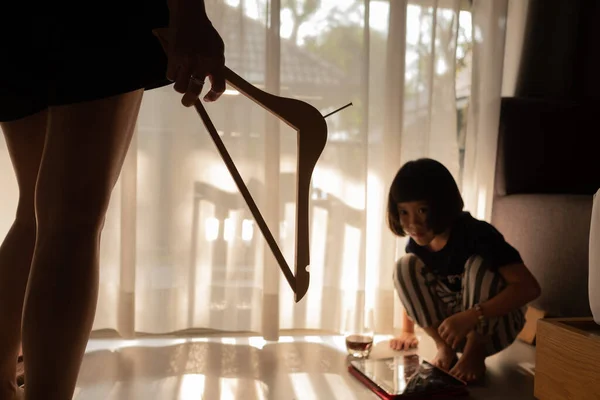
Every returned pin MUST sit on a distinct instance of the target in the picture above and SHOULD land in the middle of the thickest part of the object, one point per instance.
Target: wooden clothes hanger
(311, 131)
(312, 136)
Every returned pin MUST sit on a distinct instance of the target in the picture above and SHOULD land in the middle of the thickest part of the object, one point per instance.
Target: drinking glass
(359, 331)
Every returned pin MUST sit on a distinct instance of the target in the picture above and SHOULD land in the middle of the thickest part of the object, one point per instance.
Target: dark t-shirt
(468, 236)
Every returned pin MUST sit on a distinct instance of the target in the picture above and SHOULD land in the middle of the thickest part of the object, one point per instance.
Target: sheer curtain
(180, 250)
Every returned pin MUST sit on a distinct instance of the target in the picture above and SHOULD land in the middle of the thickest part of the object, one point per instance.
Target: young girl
(460, 280)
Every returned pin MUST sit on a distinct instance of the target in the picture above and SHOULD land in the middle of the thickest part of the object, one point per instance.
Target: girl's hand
(455, 329)
(405, 341)
(194, 49)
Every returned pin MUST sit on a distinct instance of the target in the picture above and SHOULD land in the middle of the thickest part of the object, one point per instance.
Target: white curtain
(484, 112)
(180, 250)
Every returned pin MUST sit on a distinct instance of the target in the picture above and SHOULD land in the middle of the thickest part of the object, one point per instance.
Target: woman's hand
(455, 328)
(194, 49)
(405, 341)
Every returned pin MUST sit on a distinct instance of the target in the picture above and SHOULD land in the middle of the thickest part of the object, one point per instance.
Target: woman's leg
(20, 363)
(415, 287)
(479, 285)
(85, 147)
(25, 141)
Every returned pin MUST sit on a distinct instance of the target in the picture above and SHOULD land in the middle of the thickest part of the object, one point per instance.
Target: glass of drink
(359, 333)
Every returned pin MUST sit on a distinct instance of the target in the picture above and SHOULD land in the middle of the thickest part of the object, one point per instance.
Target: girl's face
(413, 219)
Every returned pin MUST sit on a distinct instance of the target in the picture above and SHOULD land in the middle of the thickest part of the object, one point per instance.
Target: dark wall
(561, 50)
(547, 167)
(591, 48)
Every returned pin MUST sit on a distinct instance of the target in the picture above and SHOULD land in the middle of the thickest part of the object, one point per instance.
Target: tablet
(406, 377)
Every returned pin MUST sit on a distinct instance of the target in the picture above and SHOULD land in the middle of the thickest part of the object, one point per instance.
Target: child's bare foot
(471, 365)
(444, 357)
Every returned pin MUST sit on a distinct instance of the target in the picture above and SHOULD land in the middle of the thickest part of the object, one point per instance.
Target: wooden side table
(567, 359)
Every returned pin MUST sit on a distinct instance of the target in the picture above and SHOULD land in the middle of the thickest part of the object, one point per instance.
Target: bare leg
(445, 355)
(471, 365)
(85, 147)
(25, 141)
(413, 283)
(20, 366)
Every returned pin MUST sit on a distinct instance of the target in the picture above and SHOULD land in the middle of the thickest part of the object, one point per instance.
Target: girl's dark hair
(425, 180)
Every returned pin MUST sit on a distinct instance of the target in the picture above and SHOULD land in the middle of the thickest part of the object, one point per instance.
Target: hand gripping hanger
(312, 136)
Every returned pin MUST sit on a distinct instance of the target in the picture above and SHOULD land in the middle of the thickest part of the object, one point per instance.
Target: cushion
(552, 234)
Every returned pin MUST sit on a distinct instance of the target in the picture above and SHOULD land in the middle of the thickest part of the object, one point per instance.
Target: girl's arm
(407, 324)
(522, 288)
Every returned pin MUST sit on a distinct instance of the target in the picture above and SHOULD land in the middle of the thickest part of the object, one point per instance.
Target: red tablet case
(450, 389)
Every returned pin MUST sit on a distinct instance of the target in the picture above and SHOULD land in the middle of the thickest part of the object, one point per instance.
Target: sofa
(547, 171)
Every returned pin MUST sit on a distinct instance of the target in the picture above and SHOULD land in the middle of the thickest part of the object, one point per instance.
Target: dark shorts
(67, 55)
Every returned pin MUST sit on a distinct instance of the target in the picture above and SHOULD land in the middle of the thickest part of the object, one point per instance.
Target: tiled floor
(295, 368)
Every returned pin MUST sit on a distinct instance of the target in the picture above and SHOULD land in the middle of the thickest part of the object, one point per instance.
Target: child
(460, 280)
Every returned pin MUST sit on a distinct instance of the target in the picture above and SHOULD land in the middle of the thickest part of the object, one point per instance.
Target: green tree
(301, 11)
(445, 42)
(342, 44)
